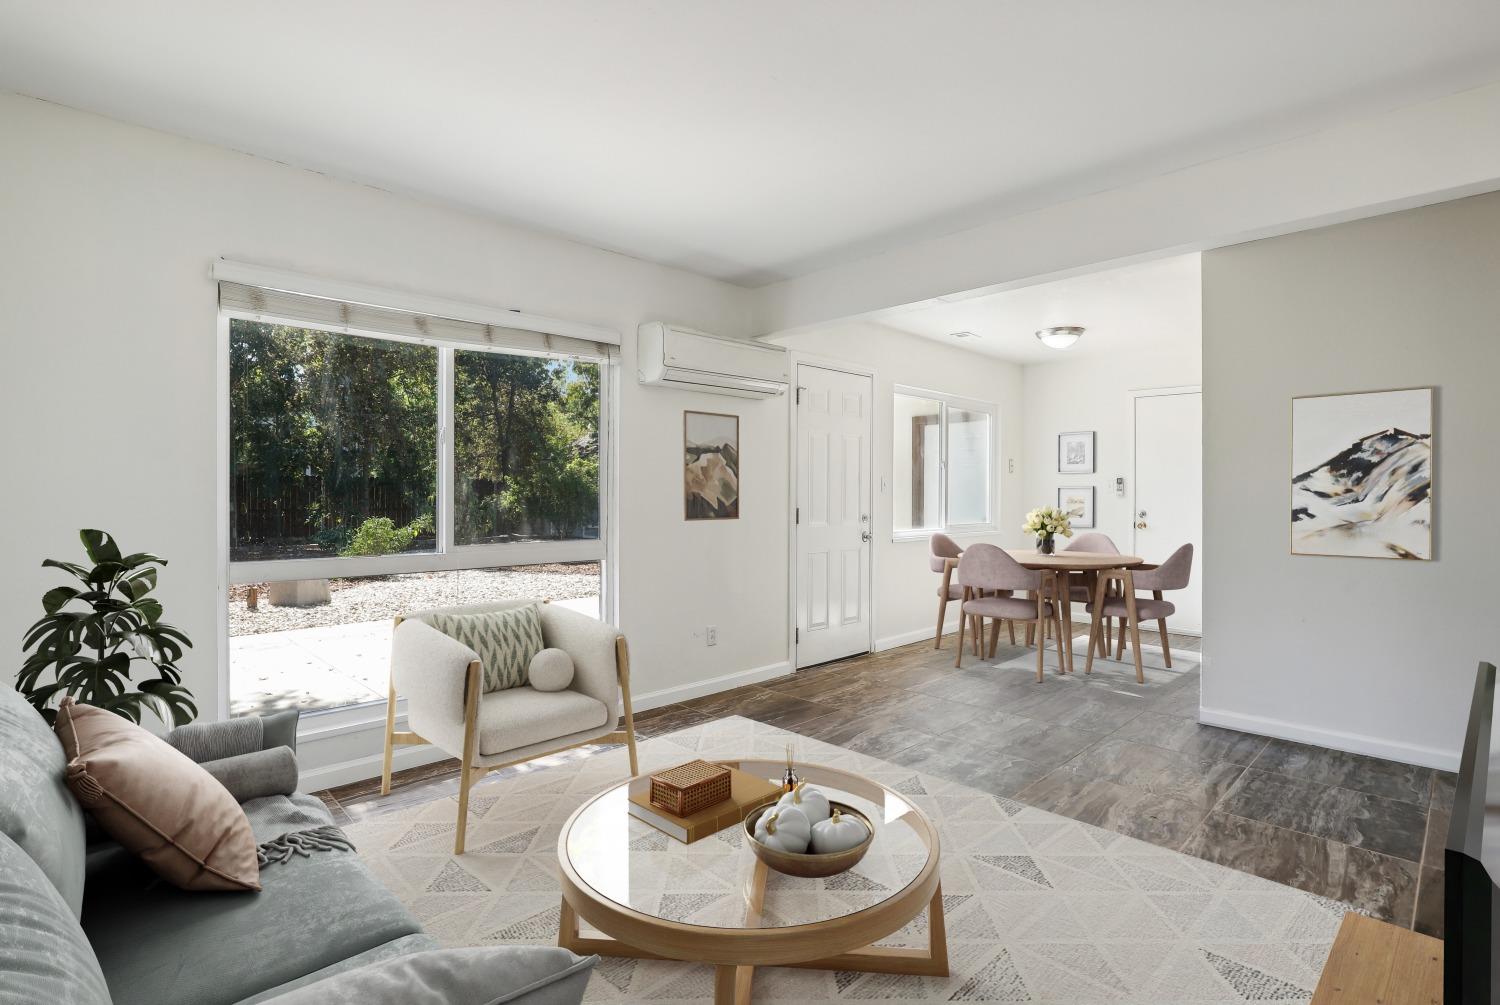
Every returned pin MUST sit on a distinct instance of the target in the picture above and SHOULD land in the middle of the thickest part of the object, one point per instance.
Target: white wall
(905, 591)
(1369, 655)
(1094, 392)
(108, 318)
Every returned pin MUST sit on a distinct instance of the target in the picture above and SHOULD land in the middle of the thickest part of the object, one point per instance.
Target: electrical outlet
(712, 635)
(1011, 466)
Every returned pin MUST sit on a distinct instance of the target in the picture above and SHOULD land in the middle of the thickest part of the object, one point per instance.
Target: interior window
(941, 471)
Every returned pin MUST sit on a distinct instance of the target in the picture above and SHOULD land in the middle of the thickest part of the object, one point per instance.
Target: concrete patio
(321, 667)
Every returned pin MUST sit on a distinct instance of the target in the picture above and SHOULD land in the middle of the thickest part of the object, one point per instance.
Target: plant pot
(1046, 545)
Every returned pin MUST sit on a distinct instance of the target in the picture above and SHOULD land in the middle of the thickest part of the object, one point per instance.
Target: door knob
(1140, 525)
(864, 535)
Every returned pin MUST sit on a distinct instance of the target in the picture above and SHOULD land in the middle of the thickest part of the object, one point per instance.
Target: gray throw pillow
(505, 641)
(44, 956)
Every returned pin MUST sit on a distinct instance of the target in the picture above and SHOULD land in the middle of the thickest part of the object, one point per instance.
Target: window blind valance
(355, 316)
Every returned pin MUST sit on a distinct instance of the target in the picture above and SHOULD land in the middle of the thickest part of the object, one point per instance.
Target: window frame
(446, 555)
(991, 484)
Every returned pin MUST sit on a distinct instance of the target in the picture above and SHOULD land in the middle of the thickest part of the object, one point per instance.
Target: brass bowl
(809, 866)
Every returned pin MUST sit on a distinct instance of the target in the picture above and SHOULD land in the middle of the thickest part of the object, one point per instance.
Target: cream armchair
(441, 679)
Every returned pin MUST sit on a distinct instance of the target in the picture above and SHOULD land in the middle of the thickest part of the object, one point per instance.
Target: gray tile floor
(1104, 750)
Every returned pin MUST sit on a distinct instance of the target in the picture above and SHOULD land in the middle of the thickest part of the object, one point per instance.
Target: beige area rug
(1039, 908)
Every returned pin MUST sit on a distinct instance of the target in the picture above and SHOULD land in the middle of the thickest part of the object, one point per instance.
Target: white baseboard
(915, 635)
(1354, 743)
(713, 685)
(368, 766)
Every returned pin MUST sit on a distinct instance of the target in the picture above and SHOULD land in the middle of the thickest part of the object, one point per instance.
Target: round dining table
(1097, 567)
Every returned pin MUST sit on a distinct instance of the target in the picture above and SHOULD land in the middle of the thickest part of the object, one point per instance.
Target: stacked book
(745, 793)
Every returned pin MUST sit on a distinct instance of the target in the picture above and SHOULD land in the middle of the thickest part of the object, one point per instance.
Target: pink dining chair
(1081, 585)
(939, 550)
(984, 567)
(1173, 574)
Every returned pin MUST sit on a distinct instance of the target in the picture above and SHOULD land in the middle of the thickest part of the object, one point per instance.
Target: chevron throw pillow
(504, 640)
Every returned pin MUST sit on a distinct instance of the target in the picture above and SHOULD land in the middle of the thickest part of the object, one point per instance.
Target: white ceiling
(744, 140)
(1153, 307)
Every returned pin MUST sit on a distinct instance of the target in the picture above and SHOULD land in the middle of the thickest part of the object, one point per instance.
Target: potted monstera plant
(103, 641)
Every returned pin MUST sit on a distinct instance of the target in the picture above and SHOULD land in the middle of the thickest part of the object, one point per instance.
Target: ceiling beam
(1411, 156)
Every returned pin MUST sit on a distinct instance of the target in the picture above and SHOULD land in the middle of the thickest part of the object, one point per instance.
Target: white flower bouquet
(1045, 523)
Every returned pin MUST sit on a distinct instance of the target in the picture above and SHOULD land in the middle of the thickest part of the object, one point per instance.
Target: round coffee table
(714, 902)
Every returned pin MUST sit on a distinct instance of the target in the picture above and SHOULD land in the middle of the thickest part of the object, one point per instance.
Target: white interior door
(1168, 509)
(834, 529)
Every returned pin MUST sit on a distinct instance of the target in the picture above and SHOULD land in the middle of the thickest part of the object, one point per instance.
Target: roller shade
(285, 307)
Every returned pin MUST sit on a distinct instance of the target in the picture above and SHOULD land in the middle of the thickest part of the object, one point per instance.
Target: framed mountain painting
(1362, 474)
(711, 478)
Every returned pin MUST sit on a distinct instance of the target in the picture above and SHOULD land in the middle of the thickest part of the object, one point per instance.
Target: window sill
(958, 533)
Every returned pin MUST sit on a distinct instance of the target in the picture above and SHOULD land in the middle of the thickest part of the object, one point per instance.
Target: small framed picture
(711, 472)
(1078, 503)
(1075, 453)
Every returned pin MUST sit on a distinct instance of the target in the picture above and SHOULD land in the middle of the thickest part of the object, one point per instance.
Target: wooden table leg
(732, 984)
(1064, 586)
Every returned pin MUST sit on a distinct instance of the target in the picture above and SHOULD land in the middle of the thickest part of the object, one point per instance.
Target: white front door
(1169, 491)
(834, 521)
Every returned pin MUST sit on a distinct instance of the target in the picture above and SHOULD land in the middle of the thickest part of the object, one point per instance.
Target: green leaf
(141, 558)
(104, 572)
(138, 585)
(100, 546)
(72, 567)
(177, 699)
(149, 609)
(55, 598)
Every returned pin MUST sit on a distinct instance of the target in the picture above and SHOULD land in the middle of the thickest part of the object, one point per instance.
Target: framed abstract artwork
(1362, 474)
(1075, 453)
(1078, 503)
(711, 471)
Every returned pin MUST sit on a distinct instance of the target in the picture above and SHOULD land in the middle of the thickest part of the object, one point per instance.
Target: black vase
(1046, 545)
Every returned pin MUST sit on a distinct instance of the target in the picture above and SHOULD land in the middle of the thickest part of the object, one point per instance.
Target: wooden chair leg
(622, 671)
(937, 639)
(471, 731)
(1120, 641)
(958, 660)
(1010, 626)
(994, 635)
(1135, 627)
(1101, 590)
(1161, 623)
(390, 735)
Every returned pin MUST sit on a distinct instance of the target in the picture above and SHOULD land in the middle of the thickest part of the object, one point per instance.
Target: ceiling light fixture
(1060, 337)
(962, 335)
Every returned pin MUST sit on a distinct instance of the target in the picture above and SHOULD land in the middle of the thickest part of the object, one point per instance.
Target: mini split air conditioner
(668, 356)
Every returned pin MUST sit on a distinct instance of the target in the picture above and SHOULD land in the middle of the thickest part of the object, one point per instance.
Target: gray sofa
(83, 922)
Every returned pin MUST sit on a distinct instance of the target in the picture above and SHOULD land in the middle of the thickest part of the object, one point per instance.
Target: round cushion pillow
(550, 670)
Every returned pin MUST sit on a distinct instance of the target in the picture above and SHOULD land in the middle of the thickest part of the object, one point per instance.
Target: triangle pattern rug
(1040, 908)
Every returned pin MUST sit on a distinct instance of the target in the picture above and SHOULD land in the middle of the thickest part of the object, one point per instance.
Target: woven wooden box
(688, 788)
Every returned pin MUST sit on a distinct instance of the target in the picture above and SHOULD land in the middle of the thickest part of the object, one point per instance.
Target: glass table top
(710, 882)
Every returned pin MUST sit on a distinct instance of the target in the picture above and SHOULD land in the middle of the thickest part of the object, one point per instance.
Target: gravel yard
(376, 599)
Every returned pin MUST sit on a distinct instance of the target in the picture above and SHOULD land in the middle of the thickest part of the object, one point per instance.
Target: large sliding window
(942, 447)
(377, 467)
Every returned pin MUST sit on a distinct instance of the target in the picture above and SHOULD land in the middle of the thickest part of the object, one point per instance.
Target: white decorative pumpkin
(839, 832)
(784, 828)
(808, 800)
